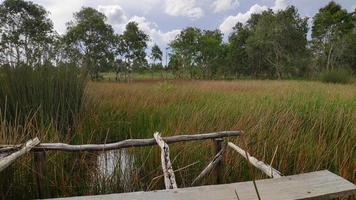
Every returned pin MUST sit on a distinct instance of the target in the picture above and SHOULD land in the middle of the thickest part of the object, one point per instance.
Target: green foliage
(156, 53)
(47, 95)
(26, 33)
(331, 27)
(90, 41)
(272, 45)
(198, 52)
(277, 42)
(336, 76)
(134, 43)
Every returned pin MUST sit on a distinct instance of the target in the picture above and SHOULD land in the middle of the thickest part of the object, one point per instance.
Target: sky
(162, 20)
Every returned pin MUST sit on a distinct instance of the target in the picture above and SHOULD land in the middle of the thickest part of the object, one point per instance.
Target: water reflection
(115, 165)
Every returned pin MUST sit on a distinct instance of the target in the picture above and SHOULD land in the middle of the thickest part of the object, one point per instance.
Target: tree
(185, 48)
(237, 55)
(27, 34)
(89, 41)
(209, 51)
(278, 43)
(156, 53)
(330, 25)
(134, 44)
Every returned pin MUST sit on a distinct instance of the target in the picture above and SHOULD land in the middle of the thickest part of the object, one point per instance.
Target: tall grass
(47, 94)
(311, 124)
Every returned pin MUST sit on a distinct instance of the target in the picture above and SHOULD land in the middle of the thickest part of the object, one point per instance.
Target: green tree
(90, 41)
(330, 26)
(237, 55)
(209, 52)
(156, 53)
(26, 33)
(185, 49)
(134, 45)
(278, 43)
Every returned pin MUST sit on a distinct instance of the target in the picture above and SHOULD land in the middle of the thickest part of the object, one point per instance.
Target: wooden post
(39, 173)
(218, 170)
(217, 159)
(168, 173)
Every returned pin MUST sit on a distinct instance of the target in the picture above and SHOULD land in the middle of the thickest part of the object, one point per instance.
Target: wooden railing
(214, 166)
(121, 144)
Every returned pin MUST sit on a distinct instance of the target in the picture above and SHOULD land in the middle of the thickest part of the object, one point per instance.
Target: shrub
(336, 76)
(49, 95)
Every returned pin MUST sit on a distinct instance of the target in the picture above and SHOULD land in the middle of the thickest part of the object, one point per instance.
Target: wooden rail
(6, 161)
(267, 169)
(120, 145)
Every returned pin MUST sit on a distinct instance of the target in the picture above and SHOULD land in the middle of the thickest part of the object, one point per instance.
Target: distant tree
(209, 52)
(185, 49)
(348, 57)
(237, 54)
(134, 44)
(330, 26)
(90, 41)
(277, 43)
(26, 33)
(156, 53)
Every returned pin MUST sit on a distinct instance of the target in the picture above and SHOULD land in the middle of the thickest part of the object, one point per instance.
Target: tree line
(272, 44)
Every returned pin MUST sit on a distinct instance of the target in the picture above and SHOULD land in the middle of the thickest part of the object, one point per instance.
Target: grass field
(310, 125)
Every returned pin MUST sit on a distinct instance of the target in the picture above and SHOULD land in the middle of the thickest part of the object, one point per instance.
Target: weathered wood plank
(168, 173)
(314, 185)
(267, 169)
(6, 161)
(122, 144)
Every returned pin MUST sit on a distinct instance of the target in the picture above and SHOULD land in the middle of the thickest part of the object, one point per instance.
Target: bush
(47, 95)
(336, 76)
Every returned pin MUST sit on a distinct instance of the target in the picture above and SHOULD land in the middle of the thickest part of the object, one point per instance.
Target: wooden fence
(215, 166)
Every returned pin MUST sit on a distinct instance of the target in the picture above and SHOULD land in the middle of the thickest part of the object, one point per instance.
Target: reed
(302, 126)
(47, 94)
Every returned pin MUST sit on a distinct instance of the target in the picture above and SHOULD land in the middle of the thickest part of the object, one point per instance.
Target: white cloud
(279, 5)
(114, 13)
(61, 12)
(230, 22)
(156, 35)
(187, 8)
(223, 5)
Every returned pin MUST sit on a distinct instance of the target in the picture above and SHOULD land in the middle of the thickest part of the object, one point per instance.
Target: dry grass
(313, 125)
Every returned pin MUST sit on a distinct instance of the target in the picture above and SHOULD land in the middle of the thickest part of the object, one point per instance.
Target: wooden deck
(314, 185)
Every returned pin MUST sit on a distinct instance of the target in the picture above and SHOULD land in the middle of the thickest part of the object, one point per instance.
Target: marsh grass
(47, 94)
(313, 125)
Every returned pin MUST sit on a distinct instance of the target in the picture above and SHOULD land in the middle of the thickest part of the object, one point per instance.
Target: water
(115, 165)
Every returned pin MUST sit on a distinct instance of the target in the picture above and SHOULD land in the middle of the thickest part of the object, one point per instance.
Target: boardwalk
(314, 185)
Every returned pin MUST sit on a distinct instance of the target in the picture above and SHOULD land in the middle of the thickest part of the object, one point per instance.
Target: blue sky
(163, 19)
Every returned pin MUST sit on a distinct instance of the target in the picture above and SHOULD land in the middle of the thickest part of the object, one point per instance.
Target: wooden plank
(6, 161)
(122, 144)
(168, 173)
(267, 169)
(314, 185)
